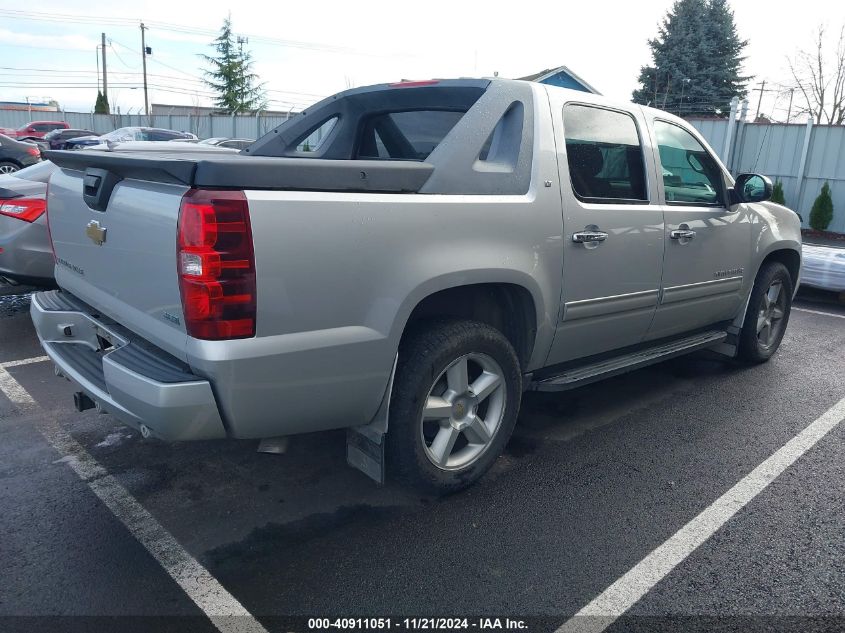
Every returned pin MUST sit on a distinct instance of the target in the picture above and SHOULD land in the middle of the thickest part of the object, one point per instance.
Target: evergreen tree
(696, 60)
(231, 75)
(101, 105)
(822, 212)
(777, 193)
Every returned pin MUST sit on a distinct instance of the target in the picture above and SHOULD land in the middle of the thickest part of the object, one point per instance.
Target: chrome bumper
(137, 383)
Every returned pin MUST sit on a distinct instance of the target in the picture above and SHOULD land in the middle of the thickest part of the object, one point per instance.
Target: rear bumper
(137, 383)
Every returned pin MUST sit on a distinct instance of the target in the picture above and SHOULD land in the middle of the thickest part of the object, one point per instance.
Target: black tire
(751, 347)
(8, 167)
(424, 355)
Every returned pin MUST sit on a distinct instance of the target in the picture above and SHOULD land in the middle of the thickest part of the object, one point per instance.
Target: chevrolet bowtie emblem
(96, 232)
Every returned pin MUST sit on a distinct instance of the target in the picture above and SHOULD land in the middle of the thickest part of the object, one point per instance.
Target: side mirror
(752, 188)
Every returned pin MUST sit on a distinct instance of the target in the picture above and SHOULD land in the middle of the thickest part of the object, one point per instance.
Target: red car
(35, 129)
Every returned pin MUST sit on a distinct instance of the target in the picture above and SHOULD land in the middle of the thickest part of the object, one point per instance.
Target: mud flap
(729, 347)
(365, 451)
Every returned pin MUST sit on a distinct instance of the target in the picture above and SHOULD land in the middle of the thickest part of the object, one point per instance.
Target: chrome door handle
(589, 236)
(682, 234)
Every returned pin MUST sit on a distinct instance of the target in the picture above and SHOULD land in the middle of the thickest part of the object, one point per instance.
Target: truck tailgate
(121, 259)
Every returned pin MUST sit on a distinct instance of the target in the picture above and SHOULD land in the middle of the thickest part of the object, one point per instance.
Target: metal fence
(802, 156)
(203, 125)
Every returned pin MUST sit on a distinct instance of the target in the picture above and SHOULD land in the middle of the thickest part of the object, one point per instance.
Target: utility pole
(684, 82)
(144, 58)
(241, 41)
(760, 100)
(666, 96)
(105, 75)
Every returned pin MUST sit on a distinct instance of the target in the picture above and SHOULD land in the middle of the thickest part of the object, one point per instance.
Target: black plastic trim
(84, 360)
(238, 171)
(156, 168)
(312, 174)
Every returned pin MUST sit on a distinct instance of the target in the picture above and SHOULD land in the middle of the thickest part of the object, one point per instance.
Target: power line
(176, 28)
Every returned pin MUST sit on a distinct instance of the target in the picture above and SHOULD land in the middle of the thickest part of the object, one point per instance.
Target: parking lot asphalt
(591, 483)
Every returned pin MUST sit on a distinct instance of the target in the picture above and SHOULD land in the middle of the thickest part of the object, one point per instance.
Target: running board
(577, 376)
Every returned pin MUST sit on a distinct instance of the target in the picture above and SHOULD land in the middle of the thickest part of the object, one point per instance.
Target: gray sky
(367, 41)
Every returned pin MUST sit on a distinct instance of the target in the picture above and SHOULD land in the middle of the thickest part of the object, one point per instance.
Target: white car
(158, 146)
(823, 267)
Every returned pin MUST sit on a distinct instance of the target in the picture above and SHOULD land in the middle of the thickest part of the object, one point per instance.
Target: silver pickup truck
(403, 261)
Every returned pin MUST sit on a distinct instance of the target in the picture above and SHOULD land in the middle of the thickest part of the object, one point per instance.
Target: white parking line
(622, 594)
(221, 607)
(25, 361)
(18, 395)
(830, 314)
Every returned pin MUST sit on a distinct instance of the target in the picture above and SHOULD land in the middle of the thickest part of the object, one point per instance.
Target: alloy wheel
(8, 169)
(770, 315)
(463, 411)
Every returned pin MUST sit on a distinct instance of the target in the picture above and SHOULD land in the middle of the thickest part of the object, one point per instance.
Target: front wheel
(455, 400)
(767, 314)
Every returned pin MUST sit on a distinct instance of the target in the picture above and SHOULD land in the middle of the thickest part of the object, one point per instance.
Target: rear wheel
(767, 315)
(7, 167)
(454, 404)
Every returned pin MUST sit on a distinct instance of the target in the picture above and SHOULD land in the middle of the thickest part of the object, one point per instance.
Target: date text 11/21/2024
(416, 624)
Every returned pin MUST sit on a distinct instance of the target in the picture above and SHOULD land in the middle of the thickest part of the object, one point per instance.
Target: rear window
(409, 135)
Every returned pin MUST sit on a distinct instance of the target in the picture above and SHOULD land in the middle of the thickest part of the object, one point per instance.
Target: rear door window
(410, 135)
(605, 155)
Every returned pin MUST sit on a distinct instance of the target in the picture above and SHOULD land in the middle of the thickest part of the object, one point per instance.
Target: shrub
(822, 212)
(777, 193)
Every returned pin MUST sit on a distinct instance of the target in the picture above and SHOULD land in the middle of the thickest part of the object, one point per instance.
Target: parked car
(823, 267)
(445, 246)
(128, 134)
(234, 143)
(34, 130)
(15, 155)
(57, 139)
(25, 252)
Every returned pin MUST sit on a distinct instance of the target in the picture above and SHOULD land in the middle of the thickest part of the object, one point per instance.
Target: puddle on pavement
(273, 539)
(13, 305)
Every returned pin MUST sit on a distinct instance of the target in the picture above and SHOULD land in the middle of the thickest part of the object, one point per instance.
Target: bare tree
(820, 77)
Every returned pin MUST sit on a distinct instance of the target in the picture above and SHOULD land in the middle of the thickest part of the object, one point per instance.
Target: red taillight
(26, 209)
(216, 265)
(33, 151)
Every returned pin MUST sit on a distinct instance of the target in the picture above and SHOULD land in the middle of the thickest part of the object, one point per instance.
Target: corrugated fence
(204, 126)
(802, 156)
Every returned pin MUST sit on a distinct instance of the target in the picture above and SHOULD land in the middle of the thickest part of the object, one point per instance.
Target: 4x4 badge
(96, 232)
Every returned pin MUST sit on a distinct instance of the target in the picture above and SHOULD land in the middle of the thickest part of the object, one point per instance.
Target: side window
(315, 139)
(410, 135)
(162, 135)
(690, 174)
(605, 155)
